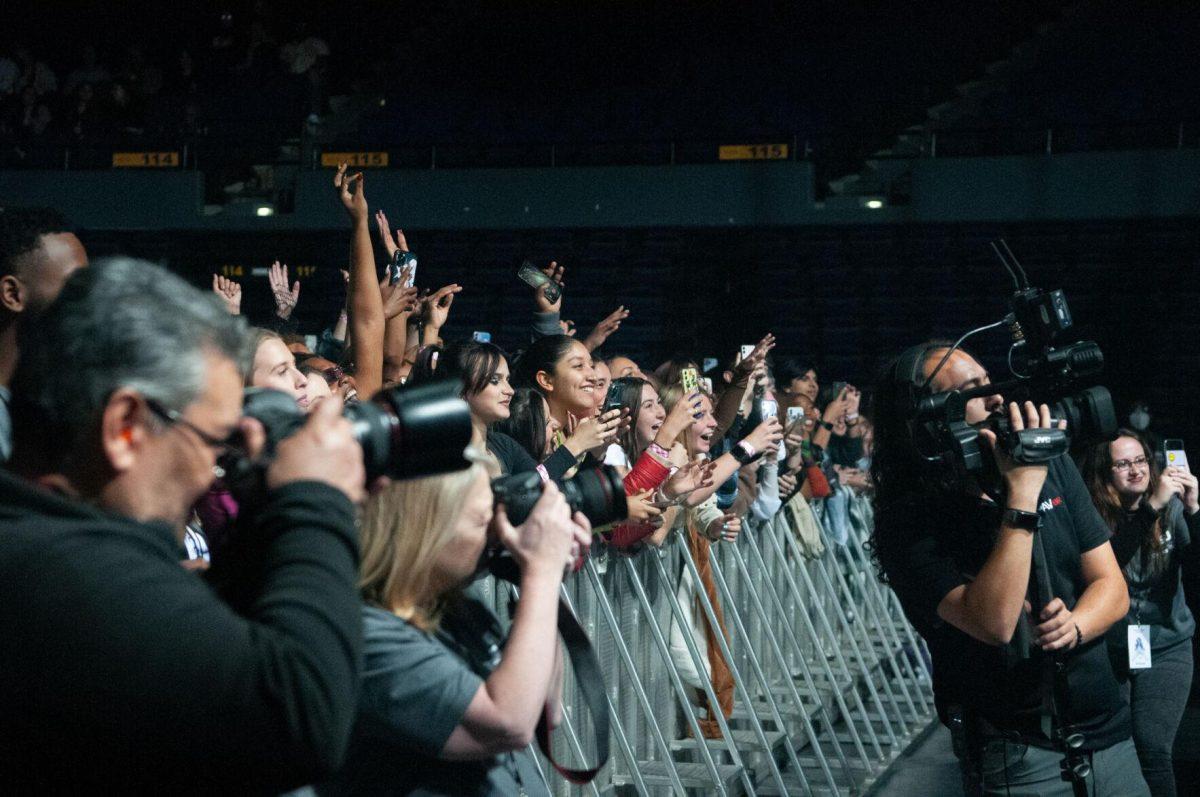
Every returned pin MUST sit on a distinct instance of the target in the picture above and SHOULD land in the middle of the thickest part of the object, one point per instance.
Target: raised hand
(230, 293)
(641, 508)
(567, 327)
(766, 434)
(437, 305)
(354, 201)
(685, 413)
(695, 475)
(610, 324)
(584, 434)
(555, 272)
(285, 300)
(390, 244)
(397, 299)
(747, 365)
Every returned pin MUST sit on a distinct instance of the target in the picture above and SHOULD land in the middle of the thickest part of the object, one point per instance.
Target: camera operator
(38, 252)
(961, 564)
(441, 711)
(122, 670)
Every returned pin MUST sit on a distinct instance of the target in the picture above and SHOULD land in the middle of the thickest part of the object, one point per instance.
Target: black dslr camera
(404, 433)
(1045, 369)
(598, 493)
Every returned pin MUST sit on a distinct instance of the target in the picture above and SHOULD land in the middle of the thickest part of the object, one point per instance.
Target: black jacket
(122, 671)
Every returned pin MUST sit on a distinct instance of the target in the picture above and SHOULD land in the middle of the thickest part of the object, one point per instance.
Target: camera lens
(413, 432)
(598, 493)
(404, 433)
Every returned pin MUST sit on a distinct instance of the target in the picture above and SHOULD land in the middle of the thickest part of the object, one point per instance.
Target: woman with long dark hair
(1154, 516)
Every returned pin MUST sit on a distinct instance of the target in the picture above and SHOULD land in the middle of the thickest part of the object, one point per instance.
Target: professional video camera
(405, 433)
(1045, 369)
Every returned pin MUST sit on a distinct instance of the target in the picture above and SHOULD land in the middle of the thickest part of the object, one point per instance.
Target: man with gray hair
(122, 670)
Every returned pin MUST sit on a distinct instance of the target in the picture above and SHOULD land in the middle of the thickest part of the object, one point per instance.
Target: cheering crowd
(165, 627)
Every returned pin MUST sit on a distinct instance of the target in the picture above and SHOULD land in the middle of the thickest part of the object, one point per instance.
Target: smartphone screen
(795, 414)
(534, 278)
(481, 337)
(769, 408)
(690, 380)
(401, 261)
(1176, 457)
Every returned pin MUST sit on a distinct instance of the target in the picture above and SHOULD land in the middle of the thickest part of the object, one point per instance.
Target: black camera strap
(588, 677)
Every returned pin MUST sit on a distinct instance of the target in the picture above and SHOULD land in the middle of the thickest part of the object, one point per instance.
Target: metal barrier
(830, 681)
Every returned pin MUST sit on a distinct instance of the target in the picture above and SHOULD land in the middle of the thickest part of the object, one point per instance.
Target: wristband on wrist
(743, 452)
(654, 449)
(824, 424)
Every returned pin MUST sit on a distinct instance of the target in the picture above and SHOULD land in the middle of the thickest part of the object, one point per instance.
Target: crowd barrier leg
(719, 779)
(634, 679)
(892, 604)
(887, 643)
(767, 544)
(901, 629)
(782, 538)
(868, 647)
(739, 682)
(837, 685)
(786, 679)
(678, 546)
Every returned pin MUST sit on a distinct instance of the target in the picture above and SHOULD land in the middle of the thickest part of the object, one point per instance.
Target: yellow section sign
(753, 152)
(144, 160)
(355, 159)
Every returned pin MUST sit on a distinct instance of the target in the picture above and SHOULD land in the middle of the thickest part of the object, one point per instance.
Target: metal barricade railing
(830, 682)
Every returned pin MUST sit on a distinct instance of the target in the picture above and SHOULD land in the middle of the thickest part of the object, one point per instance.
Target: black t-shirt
(938, 541)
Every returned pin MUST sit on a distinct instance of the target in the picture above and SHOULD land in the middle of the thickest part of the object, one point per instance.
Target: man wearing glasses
(122, 670)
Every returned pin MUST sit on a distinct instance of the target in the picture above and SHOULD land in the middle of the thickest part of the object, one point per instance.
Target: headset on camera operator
(957, 548)
(122, 670)
(441, 709)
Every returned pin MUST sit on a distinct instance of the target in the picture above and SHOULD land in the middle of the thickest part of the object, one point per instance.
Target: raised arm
(367, 322)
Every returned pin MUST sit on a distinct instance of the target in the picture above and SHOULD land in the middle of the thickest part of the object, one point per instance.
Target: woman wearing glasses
(1154, 516)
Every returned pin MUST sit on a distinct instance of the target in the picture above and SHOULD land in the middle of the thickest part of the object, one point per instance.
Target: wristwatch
(1018, 519)
(824, 424)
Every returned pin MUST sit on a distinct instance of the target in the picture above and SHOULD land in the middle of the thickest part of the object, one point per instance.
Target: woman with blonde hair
(441, 709)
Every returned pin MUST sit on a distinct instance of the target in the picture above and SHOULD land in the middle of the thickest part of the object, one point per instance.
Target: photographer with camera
(122, 670)
(447, 705)
(958, 549)
(1155, 516)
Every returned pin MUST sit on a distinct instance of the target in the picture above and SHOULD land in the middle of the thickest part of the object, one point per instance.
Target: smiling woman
(560, 368)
